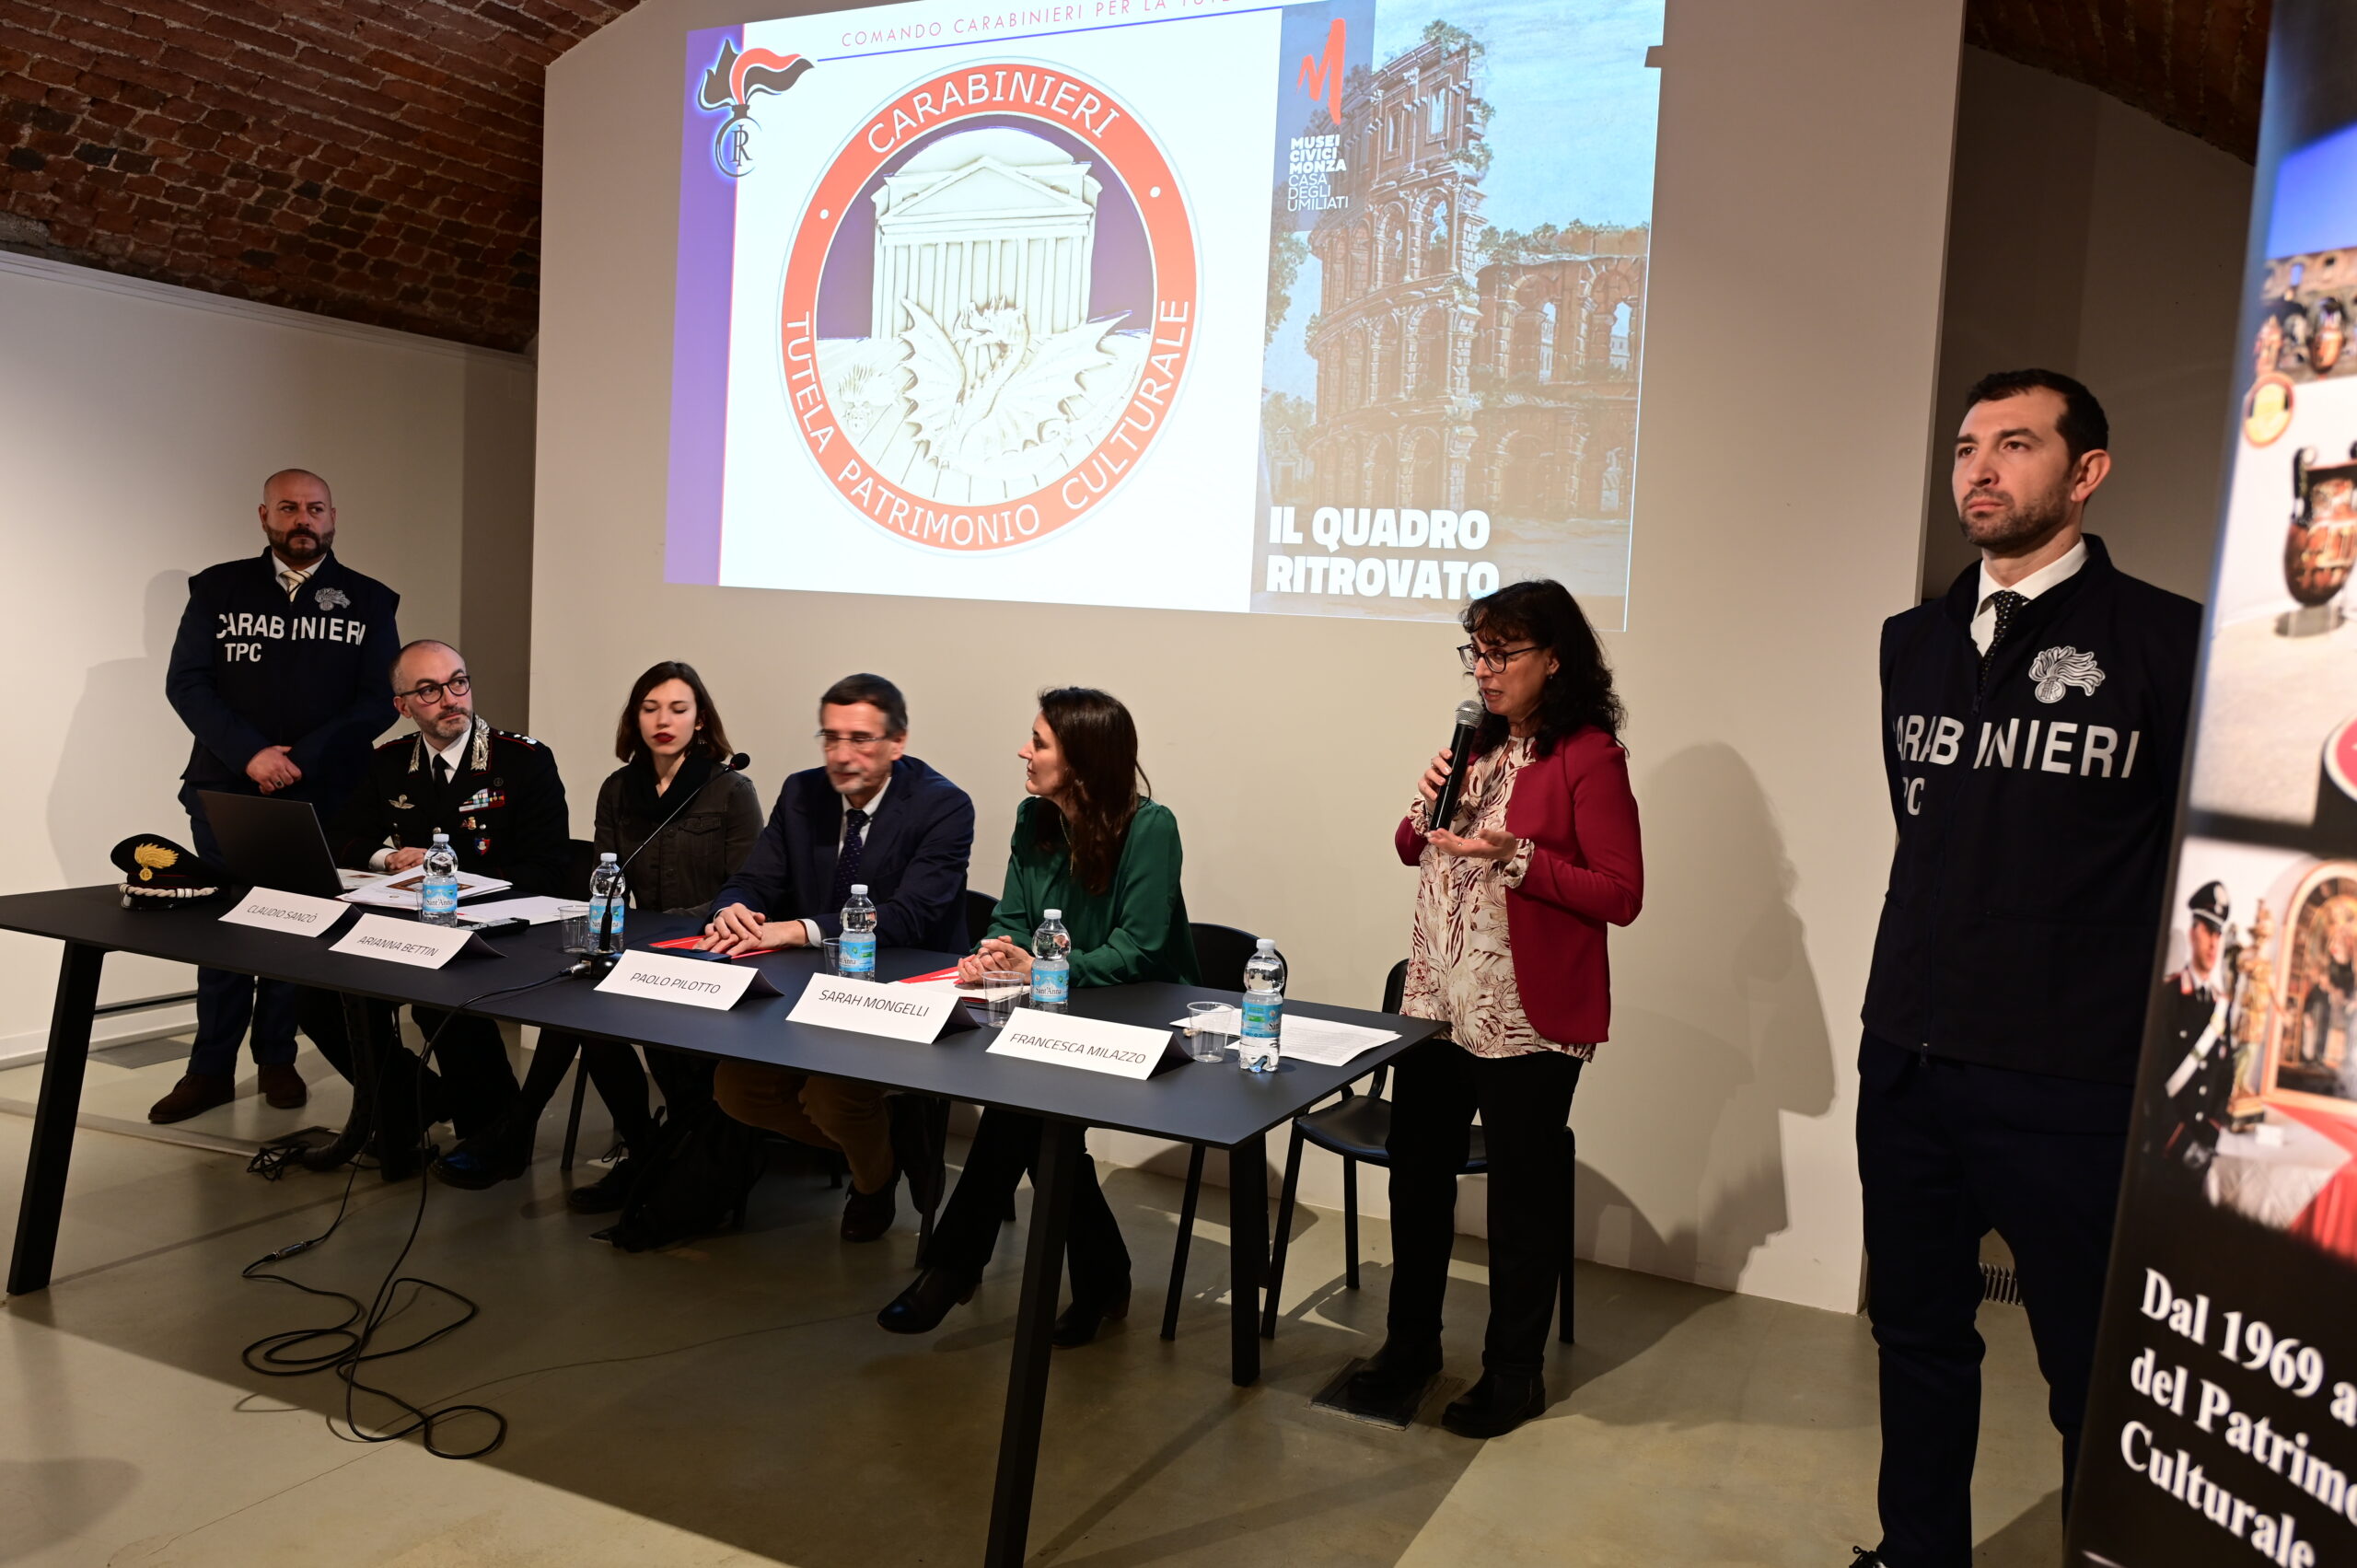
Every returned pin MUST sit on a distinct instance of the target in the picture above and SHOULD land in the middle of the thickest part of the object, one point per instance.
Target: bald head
(431, 689)
(297, 515)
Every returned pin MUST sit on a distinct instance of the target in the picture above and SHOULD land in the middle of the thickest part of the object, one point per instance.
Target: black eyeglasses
(431, 690)
(1494, 661)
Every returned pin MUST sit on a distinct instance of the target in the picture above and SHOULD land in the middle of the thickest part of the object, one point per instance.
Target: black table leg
(1248, 1252)
(1027, 1380)
(60, 1103)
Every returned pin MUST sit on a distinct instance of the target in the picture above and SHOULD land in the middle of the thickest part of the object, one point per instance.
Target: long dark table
(1212, 1104)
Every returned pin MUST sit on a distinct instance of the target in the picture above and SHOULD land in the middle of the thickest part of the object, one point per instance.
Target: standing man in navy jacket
(2033, 723)
(279, 671)
(874, 815)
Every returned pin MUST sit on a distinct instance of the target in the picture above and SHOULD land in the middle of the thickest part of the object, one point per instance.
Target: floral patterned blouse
(1460, 963)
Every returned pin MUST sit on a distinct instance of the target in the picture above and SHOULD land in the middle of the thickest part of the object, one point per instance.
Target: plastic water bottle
(609, 900)
(437, 896)
(1051, 965)
(859, 935)
(1264, 1009)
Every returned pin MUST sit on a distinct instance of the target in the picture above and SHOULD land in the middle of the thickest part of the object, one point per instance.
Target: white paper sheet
(534, 911)
(1319, 1040)
(399, 892)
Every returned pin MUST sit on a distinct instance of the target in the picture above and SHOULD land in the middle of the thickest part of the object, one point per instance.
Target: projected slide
(1329, 308)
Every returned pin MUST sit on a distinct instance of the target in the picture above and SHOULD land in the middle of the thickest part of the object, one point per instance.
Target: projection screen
(1328, 309)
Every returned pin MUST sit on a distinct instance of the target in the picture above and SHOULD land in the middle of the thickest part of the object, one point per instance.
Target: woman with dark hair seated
(671, 743)
(1513, 896)
(1090, 844)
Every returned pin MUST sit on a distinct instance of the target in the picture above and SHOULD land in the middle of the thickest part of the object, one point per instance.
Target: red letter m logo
(1324, 77)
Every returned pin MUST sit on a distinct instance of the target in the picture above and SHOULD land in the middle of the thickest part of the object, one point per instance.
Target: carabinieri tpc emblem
(729, 85)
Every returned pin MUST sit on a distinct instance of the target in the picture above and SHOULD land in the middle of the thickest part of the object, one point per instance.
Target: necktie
(2007, 604)
(847, 858)
(442, 774)
(291, 580)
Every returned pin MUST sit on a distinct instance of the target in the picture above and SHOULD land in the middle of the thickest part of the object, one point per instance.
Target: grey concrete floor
(731, 1402)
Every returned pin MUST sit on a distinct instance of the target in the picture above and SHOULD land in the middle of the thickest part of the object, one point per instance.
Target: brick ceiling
(379, 160)
(2196, 65)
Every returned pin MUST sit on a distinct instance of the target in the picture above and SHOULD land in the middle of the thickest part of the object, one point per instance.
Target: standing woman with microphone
(1538, 856)
(689, 818)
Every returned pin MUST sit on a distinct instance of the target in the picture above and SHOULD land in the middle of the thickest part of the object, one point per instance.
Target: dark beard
(301, 547)
(2030, 523)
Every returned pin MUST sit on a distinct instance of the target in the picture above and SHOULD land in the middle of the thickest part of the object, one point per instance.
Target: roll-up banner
(2222, 1427)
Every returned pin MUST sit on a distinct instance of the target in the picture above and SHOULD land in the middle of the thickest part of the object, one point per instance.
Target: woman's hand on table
(1490, 843)
(996, 955)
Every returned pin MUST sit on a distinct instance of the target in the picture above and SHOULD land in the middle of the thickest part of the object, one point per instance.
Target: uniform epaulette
(511, 735)
(397, 740)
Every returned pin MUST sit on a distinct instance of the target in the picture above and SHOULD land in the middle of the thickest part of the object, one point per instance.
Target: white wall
(1799, 229)
(136, 424)
(2088, 238)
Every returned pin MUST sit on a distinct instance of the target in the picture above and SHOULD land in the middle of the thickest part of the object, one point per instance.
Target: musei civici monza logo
(989, 305)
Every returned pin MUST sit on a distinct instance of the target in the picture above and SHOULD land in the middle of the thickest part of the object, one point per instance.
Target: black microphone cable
(291, 1353)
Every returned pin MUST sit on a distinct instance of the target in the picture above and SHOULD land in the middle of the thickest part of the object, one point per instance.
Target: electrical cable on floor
(283, 1354)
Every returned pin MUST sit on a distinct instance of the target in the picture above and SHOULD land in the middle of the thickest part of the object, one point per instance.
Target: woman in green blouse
(1090, 844)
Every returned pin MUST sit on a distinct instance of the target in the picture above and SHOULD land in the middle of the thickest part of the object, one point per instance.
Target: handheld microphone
(735, 764)
(1460, 757)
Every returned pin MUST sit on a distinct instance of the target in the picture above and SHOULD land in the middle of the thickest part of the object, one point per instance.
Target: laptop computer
(272, 841)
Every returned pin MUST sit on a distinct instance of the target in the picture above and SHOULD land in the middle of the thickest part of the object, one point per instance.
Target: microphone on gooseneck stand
(1460, 757)
(605, 955)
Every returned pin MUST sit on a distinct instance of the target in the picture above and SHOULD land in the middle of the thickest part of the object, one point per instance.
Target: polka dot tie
(2007, 605)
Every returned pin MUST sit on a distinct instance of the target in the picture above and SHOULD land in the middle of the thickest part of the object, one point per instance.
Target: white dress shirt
(842, 830)
(1984, 619)
(292, 579)
(455, 754)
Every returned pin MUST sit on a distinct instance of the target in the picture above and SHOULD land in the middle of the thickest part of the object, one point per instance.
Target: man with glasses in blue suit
(874, 815)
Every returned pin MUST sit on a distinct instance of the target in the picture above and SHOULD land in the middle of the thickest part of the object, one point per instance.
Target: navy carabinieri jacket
(249, 668)
(2035, 810)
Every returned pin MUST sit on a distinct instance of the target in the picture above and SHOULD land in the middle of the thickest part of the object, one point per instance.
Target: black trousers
(1948, 1151)
(472, 1088)
(686, 1082)
(1006, 1149)
(1525, 1102)
(228, 1003)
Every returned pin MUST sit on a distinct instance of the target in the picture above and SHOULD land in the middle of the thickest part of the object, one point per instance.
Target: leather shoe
(1496, 1405)
(868, 1215)
(1079, 1323)
(1399, 1371)
(497, 1155)
(193, 1095)
(608, 1193)
(920, 1309)
(282, 1086)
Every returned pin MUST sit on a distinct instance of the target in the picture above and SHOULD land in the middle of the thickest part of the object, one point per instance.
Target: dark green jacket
(1135, 930)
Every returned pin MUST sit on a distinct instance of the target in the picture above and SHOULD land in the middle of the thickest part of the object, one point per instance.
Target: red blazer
(1587, 871)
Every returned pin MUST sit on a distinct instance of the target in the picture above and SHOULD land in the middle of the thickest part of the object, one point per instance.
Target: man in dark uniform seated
(499, 799)
(2193, 1018)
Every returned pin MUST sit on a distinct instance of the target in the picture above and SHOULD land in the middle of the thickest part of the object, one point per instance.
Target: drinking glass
(1207, 1036)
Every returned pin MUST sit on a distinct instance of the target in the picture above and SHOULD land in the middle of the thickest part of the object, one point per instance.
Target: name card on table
(699, 982)
(1123, 1050)
(299, 913)
(898, 1011)
(410, 942)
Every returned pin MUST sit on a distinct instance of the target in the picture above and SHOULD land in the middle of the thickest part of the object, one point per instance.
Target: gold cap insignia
(155, 857)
